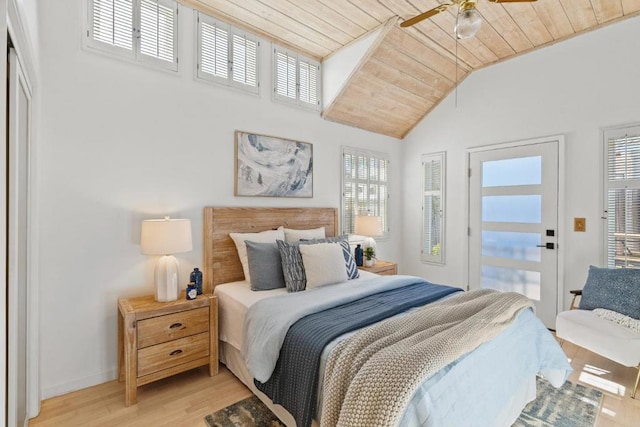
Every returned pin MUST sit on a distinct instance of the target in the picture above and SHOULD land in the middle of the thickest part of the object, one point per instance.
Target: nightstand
(383, 268)
(160, 339)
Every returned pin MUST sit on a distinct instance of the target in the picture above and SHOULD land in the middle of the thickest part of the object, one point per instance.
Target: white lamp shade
(165, 236)
(370, 226)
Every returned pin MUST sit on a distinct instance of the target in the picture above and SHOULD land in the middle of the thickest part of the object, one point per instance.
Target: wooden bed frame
(221, 262)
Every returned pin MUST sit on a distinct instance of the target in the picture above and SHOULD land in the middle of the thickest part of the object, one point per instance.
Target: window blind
(142, 30)
(433, 208)
(365, 184)
(623, 198)
(157, 30)
(245, 59)
(296, 79)
(286, 75)
(308, 82)
(112, 21)
(227, 55)
(214, 50)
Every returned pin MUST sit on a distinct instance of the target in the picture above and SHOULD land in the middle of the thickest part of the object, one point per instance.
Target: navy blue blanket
(294, 382)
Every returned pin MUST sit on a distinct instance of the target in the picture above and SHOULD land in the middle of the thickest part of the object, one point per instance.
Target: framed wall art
(268, 166)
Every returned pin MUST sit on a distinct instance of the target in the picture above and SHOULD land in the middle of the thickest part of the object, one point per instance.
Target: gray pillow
(292, 266)
(349, 261)
(265, 266)
(616, 289)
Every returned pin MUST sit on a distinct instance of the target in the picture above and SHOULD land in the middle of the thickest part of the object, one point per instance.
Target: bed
(488, 386)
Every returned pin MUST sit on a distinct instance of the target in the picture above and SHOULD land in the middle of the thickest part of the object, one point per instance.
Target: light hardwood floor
(185, 399)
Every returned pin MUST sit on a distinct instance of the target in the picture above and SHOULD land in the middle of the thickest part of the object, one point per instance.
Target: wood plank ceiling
(410, 70)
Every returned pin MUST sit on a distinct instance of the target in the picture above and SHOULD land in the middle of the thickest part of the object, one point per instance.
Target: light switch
(580, 224)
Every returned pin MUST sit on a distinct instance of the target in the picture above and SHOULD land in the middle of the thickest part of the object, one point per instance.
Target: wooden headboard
(221, 262)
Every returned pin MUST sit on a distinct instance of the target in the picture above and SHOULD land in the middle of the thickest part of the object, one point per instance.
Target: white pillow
(269, 236)
(292, 235)
(323, 264)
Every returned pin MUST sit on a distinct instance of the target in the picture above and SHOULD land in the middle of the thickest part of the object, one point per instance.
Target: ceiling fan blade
(512, 1)
(425, 15)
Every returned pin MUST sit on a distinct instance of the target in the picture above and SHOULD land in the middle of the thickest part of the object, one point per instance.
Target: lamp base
(166, 279)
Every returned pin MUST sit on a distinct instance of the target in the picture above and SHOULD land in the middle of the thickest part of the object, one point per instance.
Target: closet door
(19, 114)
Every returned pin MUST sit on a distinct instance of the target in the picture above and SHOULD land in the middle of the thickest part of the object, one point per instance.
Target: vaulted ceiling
(408, 71)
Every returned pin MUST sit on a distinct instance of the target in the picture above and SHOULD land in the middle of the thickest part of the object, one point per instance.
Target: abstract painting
(268, 166)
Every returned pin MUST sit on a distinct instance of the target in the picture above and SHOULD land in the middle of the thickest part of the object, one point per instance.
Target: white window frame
(368, 207)
(632, 130)
(134, 54)
(426, 251)
(231, 32)
(298, 59)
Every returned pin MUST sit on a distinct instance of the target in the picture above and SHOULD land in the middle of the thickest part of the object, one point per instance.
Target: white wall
(120, 143)
(573, 88)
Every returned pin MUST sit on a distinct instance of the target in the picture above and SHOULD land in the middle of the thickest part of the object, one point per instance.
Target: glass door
(513, 218)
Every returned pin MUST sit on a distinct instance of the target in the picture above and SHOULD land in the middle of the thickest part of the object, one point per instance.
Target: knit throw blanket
(370, 377)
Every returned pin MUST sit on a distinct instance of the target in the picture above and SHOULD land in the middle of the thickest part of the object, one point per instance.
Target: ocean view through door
(513, 222)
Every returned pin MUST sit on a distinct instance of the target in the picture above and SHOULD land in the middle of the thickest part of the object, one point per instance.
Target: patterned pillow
(292, 266)
(616, 289)
(349, 261)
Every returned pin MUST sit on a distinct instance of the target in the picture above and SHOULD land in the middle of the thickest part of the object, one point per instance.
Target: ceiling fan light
(468, 23)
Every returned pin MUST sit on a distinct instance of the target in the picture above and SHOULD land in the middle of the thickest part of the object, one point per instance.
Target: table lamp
(166, 237)
(370, 227)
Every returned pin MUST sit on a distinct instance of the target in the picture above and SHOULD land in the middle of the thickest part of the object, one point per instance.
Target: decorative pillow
(616, 289)
(265, 266)
(349, 261)
(269, 236)
(293, 236)
(323, 264)
(292, 266)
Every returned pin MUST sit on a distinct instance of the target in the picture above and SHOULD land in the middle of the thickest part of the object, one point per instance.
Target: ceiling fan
(469, 20)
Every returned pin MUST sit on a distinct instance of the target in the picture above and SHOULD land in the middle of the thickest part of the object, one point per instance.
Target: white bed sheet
(234, 300)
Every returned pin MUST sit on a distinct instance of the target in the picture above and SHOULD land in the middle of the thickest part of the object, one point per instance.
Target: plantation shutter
(296, 79)
(226, 55)
(622, 183)
(143, 30)
(111, 23)
(308, 82)
(158, 20)
(214, 49)
(433, 208)
(365, 184)
(285, 75)
(245, 60)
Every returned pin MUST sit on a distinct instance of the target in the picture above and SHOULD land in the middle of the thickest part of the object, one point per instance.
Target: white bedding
(234, 299)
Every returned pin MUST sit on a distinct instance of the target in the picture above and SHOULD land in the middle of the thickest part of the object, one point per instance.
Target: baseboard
(64, 388)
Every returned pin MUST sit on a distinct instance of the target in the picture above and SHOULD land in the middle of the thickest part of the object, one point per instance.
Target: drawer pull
(175, 325)
(174, 352)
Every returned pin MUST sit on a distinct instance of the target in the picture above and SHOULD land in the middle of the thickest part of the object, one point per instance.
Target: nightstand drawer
(173, 353)
(172, 326)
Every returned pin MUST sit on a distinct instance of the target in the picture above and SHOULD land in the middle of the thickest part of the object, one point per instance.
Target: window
(622, 196)
(433, 180)
(365, 187)
(296, 79)
(227, 55)
(141, 30)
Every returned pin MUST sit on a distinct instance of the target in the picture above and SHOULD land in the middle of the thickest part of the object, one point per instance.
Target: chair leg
(635, 388)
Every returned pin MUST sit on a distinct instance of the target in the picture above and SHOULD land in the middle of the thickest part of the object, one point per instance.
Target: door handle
(547, 245)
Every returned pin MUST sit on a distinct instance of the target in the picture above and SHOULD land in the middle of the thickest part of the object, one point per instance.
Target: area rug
(246, 413)
(573, 405)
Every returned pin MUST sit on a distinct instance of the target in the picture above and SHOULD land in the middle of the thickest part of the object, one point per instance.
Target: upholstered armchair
(606, 321)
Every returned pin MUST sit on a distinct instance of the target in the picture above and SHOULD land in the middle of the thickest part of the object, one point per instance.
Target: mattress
(234, 300)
